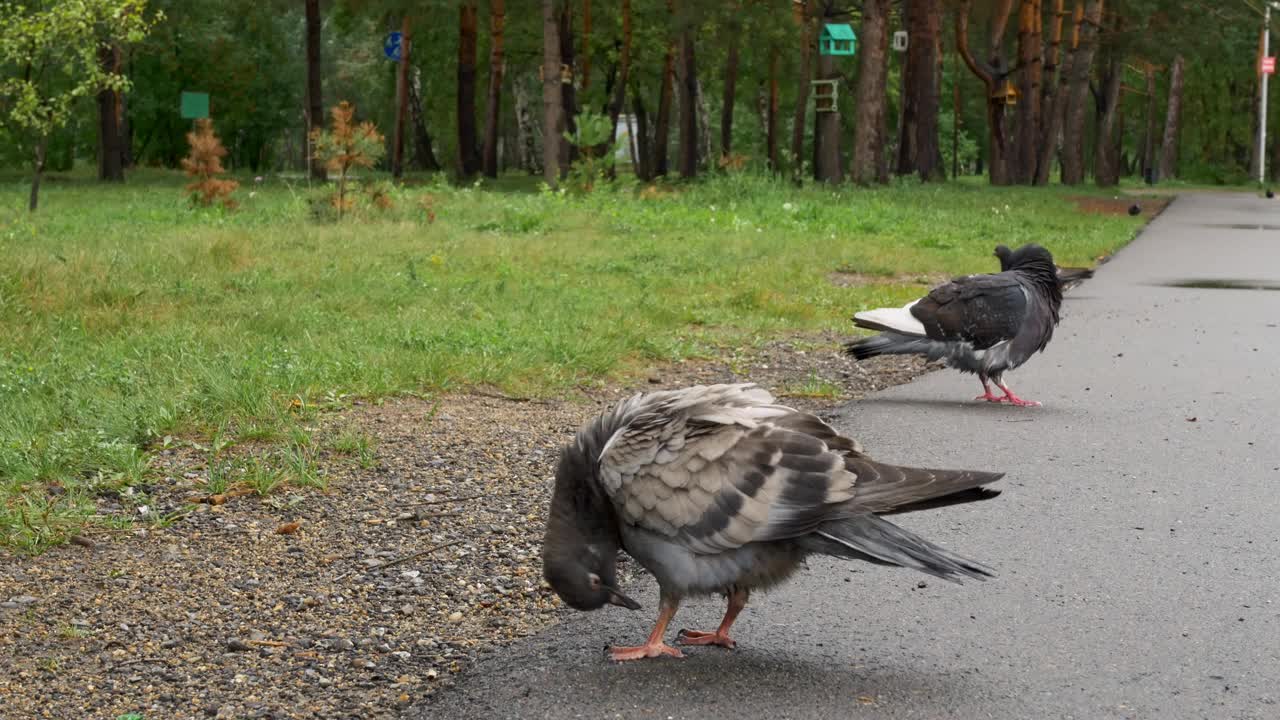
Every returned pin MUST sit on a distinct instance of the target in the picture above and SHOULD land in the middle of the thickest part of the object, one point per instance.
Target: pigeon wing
(715, 477)
(982, 310)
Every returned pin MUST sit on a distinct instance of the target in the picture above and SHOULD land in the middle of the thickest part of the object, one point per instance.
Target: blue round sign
(391, 46)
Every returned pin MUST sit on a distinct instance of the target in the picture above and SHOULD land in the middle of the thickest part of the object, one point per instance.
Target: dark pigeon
(1270, 194)
(1134, 209)
(1068, 277)
(984, 324)
(717, 490)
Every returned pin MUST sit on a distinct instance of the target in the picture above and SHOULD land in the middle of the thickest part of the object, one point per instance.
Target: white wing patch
(897, 319)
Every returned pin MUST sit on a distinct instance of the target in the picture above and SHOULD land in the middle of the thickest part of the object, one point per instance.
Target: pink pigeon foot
(648, 650)
(1015, 400)
(987, 394)
(695, 637)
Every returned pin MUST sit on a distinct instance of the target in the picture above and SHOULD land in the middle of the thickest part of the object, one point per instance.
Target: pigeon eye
(594, 580)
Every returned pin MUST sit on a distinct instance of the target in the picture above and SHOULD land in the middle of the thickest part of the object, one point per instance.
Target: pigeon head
(580, 549)
(1034, 263)
(1004, 253)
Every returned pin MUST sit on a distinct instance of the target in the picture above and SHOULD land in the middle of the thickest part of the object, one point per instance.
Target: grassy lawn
(129, 320)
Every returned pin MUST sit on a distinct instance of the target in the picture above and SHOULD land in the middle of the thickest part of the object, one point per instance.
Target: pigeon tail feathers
(869, 536)
(892, 343)
(887, 489)
(891, 319)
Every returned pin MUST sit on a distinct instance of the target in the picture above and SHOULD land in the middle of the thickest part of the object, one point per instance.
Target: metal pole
(1262, 103)
(955, 117)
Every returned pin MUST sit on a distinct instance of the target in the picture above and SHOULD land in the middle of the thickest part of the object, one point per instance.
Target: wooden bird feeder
(566, 74)
(824, 95)
(1006, 94)
(837, 39)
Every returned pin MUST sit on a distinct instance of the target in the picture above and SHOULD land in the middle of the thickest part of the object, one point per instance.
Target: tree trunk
(468, 146)
(315, 103)
(526, 132)
(1030, 70)
(1106, 161)
(869, 164)
(402, 100)
(771, 135)
(1149, 137)
(552, 103)
(568, 96)
(918, 133)
(493, 109)
(662, 129)
(992, 73)
(734, 29)
(1073, 137)
(705, 143)
(424, 158)
(619, 99)
(1051, 108)
(826, 137)
(586, 46)
(110, 152)
(800, 12)
(644, 152)
(1172, 118)
(42, 148)
(688, 107)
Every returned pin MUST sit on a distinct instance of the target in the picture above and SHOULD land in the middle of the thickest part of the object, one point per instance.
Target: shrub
(345, 146)
(204, 165)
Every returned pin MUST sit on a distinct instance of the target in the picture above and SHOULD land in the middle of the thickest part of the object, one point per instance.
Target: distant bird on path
(1134, 209)
(984, 324)
(1068, 277)
(716, 489)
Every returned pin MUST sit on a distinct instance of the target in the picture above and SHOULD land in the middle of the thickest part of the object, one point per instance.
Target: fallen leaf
(82, 541)
(288, 528)
(866, 700)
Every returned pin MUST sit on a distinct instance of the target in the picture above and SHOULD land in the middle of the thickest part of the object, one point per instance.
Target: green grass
(356, 444)
(127, 318)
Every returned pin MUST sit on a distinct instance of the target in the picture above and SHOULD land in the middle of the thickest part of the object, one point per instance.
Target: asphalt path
(1137, 540)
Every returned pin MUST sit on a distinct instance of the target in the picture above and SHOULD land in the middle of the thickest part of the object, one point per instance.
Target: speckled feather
(718, 486)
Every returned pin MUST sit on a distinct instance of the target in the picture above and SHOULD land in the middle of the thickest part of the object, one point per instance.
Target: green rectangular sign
(195, 105)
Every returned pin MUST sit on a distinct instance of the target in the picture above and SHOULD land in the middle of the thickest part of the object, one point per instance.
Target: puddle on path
(1222, 284)
(1240, 226)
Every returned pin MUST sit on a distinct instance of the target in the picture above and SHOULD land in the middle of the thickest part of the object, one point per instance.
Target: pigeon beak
(617, 598)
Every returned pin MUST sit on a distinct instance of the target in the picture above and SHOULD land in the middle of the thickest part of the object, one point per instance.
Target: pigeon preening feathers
(1068, 277)
(984, 324)
(716, 489)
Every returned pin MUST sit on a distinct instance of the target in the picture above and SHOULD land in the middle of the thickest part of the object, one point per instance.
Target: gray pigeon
(719, 490)
(984, 324)
(1068, 277)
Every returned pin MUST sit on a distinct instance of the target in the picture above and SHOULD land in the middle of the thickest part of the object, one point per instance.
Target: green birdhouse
(194, 105)
(837, 39)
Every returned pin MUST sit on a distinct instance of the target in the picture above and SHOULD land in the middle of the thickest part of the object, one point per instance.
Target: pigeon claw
(651, 650)
(695, 637)
(990, 398)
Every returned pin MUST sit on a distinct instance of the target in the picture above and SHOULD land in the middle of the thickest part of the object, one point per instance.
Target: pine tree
(346, 145)
(204, 165)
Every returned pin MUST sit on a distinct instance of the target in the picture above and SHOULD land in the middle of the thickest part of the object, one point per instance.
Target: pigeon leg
(986, 391)
(653, 647)
(737, 601)
(1014, 399)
